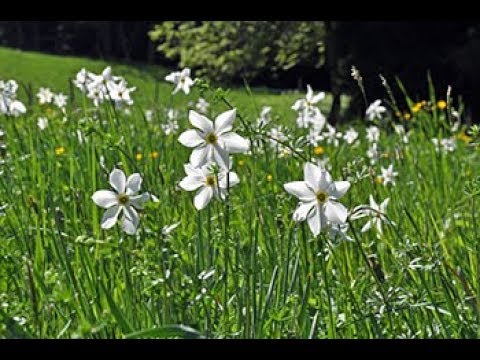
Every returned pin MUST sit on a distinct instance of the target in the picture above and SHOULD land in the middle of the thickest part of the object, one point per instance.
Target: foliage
(231, 50)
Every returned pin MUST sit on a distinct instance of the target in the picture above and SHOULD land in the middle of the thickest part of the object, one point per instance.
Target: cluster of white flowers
(309, 115)
(445, 145)
(46, 96)
(375, 110)
(103, 87)
(209, 171)
(9, 105)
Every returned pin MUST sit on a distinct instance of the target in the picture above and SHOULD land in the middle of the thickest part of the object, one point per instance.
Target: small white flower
(350, 136)
(45, 95)
(181, 79)
(213, 141)
(375, 110)
(60, 100)
(331, 136)
(318, 195)
(42, 123)
(82, 80)
(172, 114)
(388, 175)
(373, 134)
(124, 199)
(209, 182)
(16, 108)
(202, 105)
(373, 153)
(171, 127)
(120, 93)
(375, 212)
(308, 103)
(148, 115)
(447, 144)
(265, 117)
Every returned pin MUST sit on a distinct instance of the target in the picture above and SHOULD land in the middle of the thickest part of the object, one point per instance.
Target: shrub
(232, 50)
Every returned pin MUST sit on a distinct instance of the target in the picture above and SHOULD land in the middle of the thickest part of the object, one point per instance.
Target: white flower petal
(338, 189)
(199, 156)
(232, 180)
(118, 180)
(224, 121)
(134, 182)
(139, 201)
(367, 226)
(200, 121)
(314, 221)
(303, 210)
(191, 183)
(105, 198)
(203, 197)
(220, 156)
(301, 190)
(110, 217)
(312, 174)
(234, 143)
(191, 138)
(336, 212)
(320, 96)
(130, 220)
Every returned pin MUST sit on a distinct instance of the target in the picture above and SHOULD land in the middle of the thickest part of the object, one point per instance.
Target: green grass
(69, 278)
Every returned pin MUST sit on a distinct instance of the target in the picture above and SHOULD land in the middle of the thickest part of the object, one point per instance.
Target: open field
(240, 267)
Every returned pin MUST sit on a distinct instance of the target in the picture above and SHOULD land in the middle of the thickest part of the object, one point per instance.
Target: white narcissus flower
(208, 181)
(308, 103)
(202, 105)
(318, 195)
(60, 100)
(181, 79)
(350, 136)
(166, 230)
(375, 110)
(265, 117)
(120, 93)
(213, 141)
(373, 134)
(82, 80)
(16, 108)
(123, 199)
(148, 115)
(388, 175)
(42, 122)
(171, 127)
(373, 153)
(374, 211)
(447, 144)
(331, 136)
(45, 95)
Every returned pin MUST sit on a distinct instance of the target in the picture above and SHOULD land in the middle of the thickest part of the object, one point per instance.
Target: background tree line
(280, 54)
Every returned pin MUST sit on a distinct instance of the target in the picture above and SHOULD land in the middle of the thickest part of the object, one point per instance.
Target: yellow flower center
(211, 180)
(211, 138)
(139, 156)
(269, 178)
(123, 199)
(322, 197)
(154, 154)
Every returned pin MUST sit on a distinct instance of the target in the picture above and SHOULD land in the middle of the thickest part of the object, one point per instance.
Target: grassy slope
(37, 69)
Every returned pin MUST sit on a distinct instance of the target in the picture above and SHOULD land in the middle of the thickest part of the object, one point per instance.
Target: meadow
(383, 244)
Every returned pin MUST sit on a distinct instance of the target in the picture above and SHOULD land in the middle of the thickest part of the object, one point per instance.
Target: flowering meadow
(200, 212)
